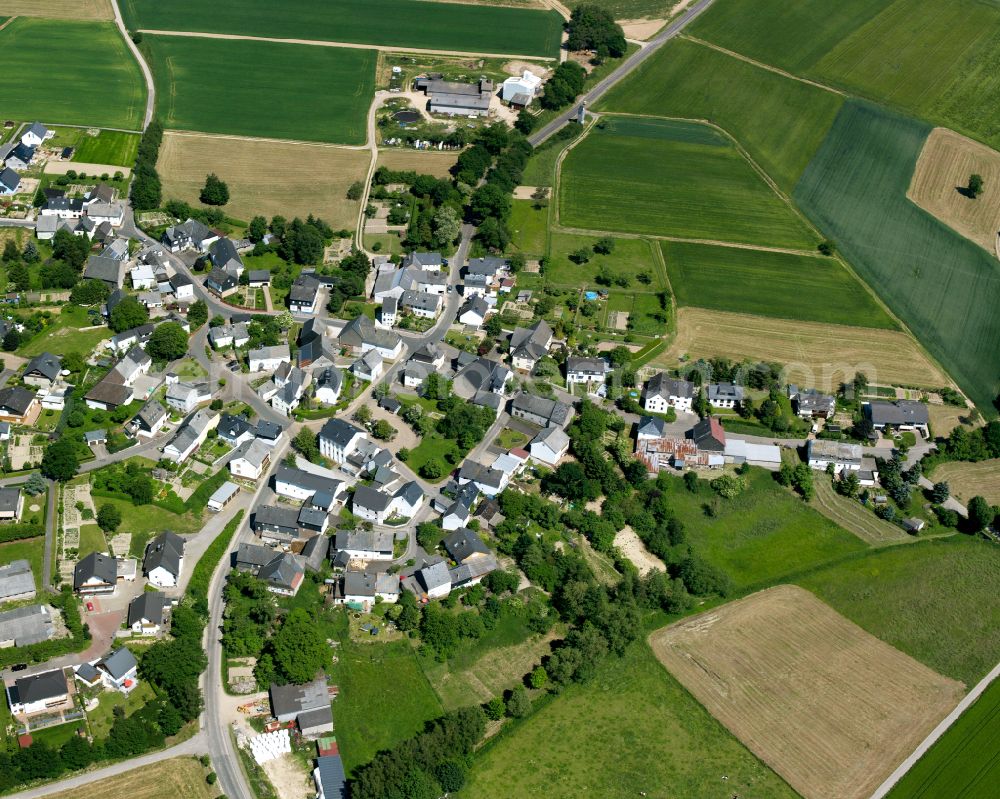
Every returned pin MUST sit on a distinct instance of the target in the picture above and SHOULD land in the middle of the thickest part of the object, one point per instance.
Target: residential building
(39, 693)
(664, 392)
(424, 306)
(223, 336)
(725, 395)
(190, 436)
(360, 335)
(520, 90)
(149, 420)
(136, 336)
(708, 435)
(18, 405)
(283, 574)
(11, 503)
(810, 403)
(540, 410)
(477, 374)
(899, 415)
(267, 359)
(253, 557)
(189, 235)
(549, 446)
(42, 370)
(473, 311)
(307, 705)
(650, 427)
(223, 495)
(457, 514)
(298, 484)
(225, 257)
(528, 345)
(222, 283)
(104, 268)
(389, 312)
(10, 182)
(164, 560)
(36, 134)
(25, 626)
(364, 544)
(338, 439)
(303, 294)
(586, 370)
(327, 384)
(277, 525)
(488, 480)
(20, 157)
(97, 573)
(368, 367)
(427, 261)
(235, 430)
(185, 396)
(452, 98)
(183, 287)
(434, 581)
(841, 455)
(250, 460)
(17, 583)
(145, 613)
(119, 669)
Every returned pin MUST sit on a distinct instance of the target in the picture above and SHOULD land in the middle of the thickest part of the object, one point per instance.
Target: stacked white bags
(270, 745)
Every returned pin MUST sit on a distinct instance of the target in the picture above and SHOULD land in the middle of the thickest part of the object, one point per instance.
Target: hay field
(944, 166)
(939, 283)
(421, 161)
(967, 480)
(265, 178)
(853, 517)
(58, 9)
(815, 354)
(945, 418)
(829, 707)
(167, 779)
(679, 178)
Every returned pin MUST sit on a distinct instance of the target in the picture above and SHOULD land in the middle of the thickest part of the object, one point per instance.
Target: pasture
(933, 599)
(59, 9)
(384, 699)
(388, 23)
(672, 178)
(965, 761)
(766, 283)
(108, 147)
(943, 169)
(110, 92)
(829, 707)
(263, 89)
(760, 536)
(423, 162)
(631, 258)
(314, 177)
(968, 480)
(165, 779)
(631, 730)
(939, 283)
(686, 79)
(814, 354)
(529, 228)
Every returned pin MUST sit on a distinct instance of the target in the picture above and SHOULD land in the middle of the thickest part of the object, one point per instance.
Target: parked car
(19, 667)
(90, 606)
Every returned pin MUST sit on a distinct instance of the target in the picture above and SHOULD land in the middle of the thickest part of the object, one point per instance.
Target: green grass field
(91, 538)
(939, 283)
(632, 730)
(146, 521)
(65, 335)
(528, 226)
(432, 447)
(685, 79)
(770, 284)
(262, 88)
(108, 147)
(934, 600)
(396, 23)
(87, 77)
(384, 699)
(965, 761)
(762, 535)
(630, 258)
(672, 178)
(29, 549)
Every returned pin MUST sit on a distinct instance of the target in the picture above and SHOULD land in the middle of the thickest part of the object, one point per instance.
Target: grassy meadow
(108, 147)
(395, 23)
(88, 76)
(630, 258)
(264, 89)
(934, 600)
(686, 79)
(781, 285)
(940, 284)
(529, 228)
(630, 731)
(672, 178)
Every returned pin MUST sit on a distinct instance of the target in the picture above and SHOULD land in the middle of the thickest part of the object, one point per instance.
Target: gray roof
(339, 432)
(17, 399)
(364, 541)
(472, 569)
(531, 341)
(96, 564)
(232, 427)
(103, 267)
(304, 289)
(368, 497)
(463, 543)
(151, 414)
(282, 570)
(423, 259)
(652, 426)
(223, 251)
(839, 451)
(553, 437)
(9, 497)
(26, 625)
(331, 776)
(311, 516)
(307, 480)
(420, 300)
(330, 377)
(485, 266)
(662, 385)
(725, 391)
(476, 304)
(362, 330)
(259, 275)
(39, 687)
(320, 717)
(119, 663)
(411, 492)
(253, 555)
(554, 411)
(358, 583)
(276, 516)
(165, 551)
(16, 578)
(38, 129)
(10, 179)
(147, 606)
(475, 472)
(587, 365)
(899, 412)
(434, 576)
(295, 699)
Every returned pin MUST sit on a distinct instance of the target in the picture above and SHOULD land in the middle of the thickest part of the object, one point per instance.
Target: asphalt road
(637, 58)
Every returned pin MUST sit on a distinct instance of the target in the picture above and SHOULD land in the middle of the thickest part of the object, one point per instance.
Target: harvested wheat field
(946, 161)
(814, 354)
(167, 779)
(423, 162)
(265, 177)
(945, 418)
(58, 9)
(967, 480)
(828, 706)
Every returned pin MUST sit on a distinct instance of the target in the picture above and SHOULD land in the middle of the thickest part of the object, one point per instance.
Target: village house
(185, 396)
(189, 235)
(898, 415)
(364, 544)
(250, 460)
(541, 411)
(17, 582)
(549, 445)
(18, 405)
(327, 384)
(283, 574)
(473, 311)
(119, 670)
(40, 693)
(360, 335)
(456, 99)
(267, 359)
(42, 370)
(97, 573)
(586, 370)
(368, 367)
(338, 439)
(528, 345)
(146, 613)
(148, 421)
(164, 560)
(303, 294)
(190, 435)
(235, 430)
(840, 455)
(27, 625)
(664, 392)
(36, 134)
(810, 403)
(725, 395)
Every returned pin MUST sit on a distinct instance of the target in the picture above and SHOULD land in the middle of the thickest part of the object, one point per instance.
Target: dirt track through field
(349, 45)
(945, 164)
(829, 707)
(814, 354)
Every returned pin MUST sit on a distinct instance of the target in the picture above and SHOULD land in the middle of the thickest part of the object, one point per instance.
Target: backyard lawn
(528, 226)
(64, 335)
(146, 521)
(631, 259)
(29, 549)
(432, 447)
(92, 537)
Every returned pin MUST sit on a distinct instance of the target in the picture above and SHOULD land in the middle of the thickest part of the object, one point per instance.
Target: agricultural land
(424, 25)
(109, 92)
(424, 162)
(263, 89)
(940, 180)
(166, 779)
(968, 480)
(314, 177)
(59, 9)
(936, 281)
(814, 354)
(782, 285)
(829, 707)
(672, 178)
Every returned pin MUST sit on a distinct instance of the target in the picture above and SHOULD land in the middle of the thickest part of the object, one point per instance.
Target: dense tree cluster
(89, 292)
(215, 191)
(348, 280)
(168, 342)
(127, 479)
(592, 27)
(562, 88)
(127, 314)
(175, 665)
(146, 191)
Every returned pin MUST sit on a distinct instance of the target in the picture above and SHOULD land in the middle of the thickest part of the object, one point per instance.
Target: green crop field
(108, 147)
(770, 284)
(779, 121)
(632, 730)
(630, 258)
(939, 283)
(395, 23)
(965, 761)
(672, 178)
(760, 536)
(74, 73)
(934, 600)
(263, 89)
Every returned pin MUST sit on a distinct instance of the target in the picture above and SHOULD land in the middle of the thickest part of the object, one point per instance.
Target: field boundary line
(762, 65)
(196, 134)
(147, 73)
(342, 45)
(932, 738)
(4, 25)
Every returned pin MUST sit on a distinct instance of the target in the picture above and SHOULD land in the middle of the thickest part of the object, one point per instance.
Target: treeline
(963, 444)
(592, 27)
(147, 192)
(436, 218)
(18, 532)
